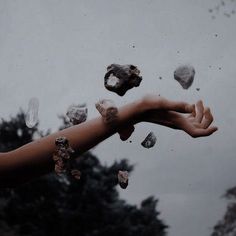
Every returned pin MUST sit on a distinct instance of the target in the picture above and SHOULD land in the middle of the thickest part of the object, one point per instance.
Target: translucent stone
(185, 75)
(149, 141)
(77, 113)
(31, 118)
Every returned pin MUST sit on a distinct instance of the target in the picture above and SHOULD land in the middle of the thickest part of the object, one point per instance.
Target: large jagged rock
(121, 78)
(77, 113)
(149, 141)
(185, 75)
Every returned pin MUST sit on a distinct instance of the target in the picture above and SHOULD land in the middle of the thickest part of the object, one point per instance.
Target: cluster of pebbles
(118, 79)
(63, 157)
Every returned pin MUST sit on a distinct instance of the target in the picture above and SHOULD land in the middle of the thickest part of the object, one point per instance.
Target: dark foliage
(227, 226)
(65, 207)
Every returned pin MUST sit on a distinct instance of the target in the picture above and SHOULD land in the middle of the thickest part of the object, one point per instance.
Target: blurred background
(58, 51)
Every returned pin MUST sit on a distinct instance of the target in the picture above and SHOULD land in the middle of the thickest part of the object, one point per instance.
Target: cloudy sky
(58, 51)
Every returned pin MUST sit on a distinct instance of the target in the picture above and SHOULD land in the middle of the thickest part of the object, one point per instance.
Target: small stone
(160, 77)
(121, 78)
(31, 118)
(184, 75)
(76, 174)
(126, 132)
(149, 141)
(123, 179)
(198, 89)
(77, 113)
(108, 110)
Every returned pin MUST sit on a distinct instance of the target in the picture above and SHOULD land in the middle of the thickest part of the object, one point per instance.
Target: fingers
(199, 112)
(193, 114)
(207, 119)
(182, 107)
(203, 132)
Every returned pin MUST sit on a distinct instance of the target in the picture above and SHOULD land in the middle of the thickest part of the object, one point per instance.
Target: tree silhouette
(52, 205)
(227, 226)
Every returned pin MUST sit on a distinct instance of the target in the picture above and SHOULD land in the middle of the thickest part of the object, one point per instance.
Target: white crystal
(31, 118)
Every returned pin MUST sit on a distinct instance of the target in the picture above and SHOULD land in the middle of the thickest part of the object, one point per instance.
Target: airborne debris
(77, 113)
(149, 141)
(121, 78)
(126, 132)
(62, 158)
(108, 110)
(123, 179)
(31, 118)
(76, 174)
(184, 75)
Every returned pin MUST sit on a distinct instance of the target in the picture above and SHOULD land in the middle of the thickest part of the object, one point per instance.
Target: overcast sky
(58, 51)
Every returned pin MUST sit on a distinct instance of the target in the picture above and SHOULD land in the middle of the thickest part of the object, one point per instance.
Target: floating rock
(149, 141)
(185, 75)
(126, 132)
(121, 78)
(76, 174)
(31, 118)
(108, 110)
(77, 113)
(123, 179)
(62, 156)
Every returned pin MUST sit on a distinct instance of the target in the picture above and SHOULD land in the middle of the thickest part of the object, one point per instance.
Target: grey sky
(58, 51)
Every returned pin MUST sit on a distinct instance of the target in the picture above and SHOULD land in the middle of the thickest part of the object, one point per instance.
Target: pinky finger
(204, 132)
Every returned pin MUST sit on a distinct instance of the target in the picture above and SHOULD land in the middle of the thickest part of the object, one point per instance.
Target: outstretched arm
(35, 159)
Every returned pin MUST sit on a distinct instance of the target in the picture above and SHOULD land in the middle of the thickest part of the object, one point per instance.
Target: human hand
(194, 119)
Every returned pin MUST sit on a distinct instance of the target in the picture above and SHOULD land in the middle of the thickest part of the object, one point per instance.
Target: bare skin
(35, 159)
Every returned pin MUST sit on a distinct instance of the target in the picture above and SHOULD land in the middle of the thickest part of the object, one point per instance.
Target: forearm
(35, 158)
